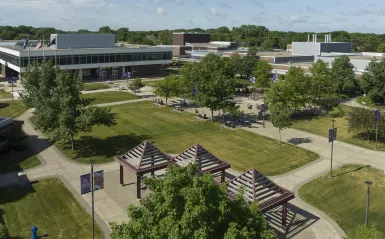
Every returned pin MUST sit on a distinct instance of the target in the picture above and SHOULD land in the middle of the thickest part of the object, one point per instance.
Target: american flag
(40, 45)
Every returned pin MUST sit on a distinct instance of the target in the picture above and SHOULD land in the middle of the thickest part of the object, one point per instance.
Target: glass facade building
(89, 58)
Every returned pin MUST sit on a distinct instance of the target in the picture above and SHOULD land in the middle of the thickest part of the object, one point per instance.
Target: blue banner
(332, 135)
(98, 180)
(85, 183)
(377, 115)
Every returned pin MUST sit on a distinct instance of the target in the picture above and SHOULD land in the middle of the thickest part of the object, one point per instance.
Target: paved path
(56, 164)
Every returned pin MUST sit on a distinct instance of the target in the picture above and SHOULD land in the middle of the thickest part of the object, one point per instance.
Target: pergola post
(223, 176)
(121, 175)
(284, 213)
(138, 186)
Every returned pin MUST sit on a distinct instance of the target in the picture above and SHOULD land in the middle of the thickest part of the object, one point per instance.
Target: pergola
(206, 161)
(260, 189)
(144, 158)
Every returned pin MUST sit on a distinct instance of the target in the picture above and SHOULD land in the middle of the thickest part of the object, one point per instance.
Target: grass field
(150, 83)
(321, 125)
(343, 198)
(174, 132)
(17, 160)
(48, 205)
(14, 109)
(94, 86)
(4, 94)
(110, 96)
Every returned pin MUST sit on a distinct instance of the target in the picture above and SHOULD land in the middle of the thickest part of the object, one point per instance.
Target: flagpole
(29, 54)
(55, 56)
(43, 49)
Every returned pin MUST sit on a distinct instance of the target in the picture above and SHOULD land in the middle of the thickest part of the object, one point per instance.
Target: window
(89, 59)
(118, 57)
(83, 59)
(124, 58)
(102, 59)
(112, 57)
(76, 60)
(95, 59)
(63, 60)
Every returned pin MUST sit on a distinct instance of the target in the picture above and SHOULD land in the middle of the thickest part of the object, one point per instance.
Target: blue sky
(285, 15)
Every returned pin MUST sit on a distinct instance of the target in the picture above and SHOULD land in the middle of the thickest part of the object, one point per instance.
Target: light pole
(12, 83)
(331, 155)
(368, 184)
(377, 118)
(92, 161)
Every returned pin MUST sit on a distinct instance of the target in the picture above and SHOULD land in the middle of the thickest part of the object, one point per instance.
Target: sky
(282, 15)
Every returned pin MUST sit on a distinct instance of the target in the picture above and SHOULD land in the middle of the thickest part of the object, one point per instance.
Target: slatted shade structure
(144, 158)
(206, 161)
(260, 189)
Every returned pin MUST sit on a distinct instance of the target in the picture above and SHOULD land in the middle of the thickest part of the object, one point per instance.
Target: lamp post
(331, 155)
(92, 161)
(368, 184)
(12, 83)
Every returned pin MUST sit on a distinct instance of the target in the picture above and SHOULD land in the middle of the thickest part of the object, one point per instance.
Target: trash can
(34, 232)
(22, 179)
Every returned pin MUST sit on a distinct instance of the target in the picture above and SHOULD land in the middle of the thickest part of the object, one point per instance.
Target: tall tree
(59, 107)
(322, 85)
(361, 120)
(169, 87)
(373, 81)
(106, 30)
(381, 48)
(342, 72)
(280, 117)
(249, 61)
(262, 73)
(184, 205)
(235, 64)
(267, 44)
(121, 34)
(298, 84)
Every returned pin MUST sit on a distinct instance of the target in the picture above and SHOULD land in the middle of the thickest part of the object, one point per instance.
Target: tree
(267, 45)
(322, 85)
(262, 73)
(297, 82)
(121, 34)
(235, 63)
(249, 61)
(184, 205)
(381, 48)
(169, 87)
(363, 232)
(280, 117)
(136, 85)
(342, 72)
(361, 120)
(373, 81)
(106, 30)
(59, 107)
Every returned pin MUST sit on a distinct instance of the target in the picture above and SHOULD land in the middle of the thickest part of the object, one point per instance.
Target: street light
(331, 154)
(369, 184)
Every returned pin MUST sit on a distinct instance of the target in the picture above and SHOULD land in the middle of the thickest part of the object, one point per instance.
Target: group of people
(159, 101)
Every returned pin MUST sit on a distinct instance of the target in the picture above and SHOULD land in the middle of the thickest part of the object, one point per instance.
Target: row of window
(89, 59)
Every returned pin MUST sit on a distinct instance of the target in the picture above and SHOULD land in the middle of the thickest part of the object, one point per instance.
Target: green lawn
(48, 205)
(151, 83)
(321, 125)
(174, 132)
(94, 86)
(110, 96)
(18, 160)
(14, 109)
(343, 198)
(4, 94)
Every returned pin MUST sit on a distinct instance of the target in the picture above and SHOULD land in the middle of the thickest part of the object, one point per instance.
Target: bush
(337, 112)
(3, 231)
(324, 113)
(365, 100)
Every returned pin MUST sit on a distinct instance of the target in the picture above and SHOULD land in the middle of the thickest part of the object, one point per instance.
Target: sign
(332, 135)
(263, 108)
(194, 92)
(12, 80)
(377, 115)
(85, 183)
(97, 71)
(252, 79)
(98, 180)
(126, 74)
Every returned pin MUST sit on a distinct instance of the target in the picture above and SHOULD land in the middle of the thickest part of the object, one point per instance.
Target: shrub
(337, 112)
(365, 100)
(4, 232)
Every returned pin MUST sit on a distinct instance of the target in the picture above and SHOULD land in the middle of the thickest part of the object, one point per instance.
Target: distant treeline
(245, 35)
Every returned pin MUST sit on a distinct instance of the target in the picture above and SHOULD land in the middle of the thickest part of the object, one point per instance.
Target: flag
(25, 44)
(128, 74)
(40, 45)
(53, 42)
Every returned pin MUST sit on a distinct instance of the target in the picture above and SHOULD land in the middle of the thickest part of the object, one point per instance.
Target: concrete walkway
(55, 164)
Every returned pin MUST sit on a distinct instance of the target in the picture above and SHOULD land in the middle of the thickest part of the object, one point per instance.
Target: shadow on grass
(297, 141)
(354, 170)
(89, 146)
(297, 221)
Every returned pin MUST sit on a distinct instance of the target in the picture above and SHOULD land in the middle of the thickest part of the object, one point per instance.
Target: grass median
(174, 132)
(13, 110)
(48, 205)
(4, 94)
(94, 86)
(343, 197)
(110, 96)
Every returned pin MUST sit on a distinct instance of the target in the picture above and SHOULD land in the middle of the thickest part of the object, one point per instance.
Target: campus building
(86, 53)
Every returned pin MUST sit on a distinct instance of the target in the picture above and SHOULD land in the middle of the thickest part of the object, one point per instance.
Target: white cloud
(213, 10)
(161, 11)
(156, 0)
(89, 3)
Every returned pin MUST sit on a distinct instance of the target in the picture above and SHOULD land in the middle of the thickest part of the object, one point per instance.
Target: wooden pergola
(206, 161)
(144, 158)
(260, 189)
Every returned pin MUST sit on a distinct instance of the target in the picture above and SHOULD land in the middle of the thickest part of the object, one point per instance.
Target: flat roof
(191, 33)
(45, 48)
(275, 53)
(205, 45)
(362, 57)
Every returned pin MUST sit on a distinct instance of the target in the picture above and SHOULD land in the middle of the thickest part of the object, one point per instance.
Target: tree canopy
(136, 85)
(373, 81)
(169, 87)
(342, 72)
(184, 205)
(262, 74)
(59, 107)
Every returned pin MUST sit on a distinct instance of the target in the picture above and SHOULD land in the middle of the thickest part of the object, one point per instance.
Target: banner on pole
(332, 135)
(98, 180)
(377, 115)
(85, 183)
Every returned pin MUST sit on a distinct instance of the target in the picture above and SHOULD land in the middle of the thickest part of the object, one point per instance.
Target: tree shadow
(297, 221)
(297, 141)
(354, 170)
(89, 146)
